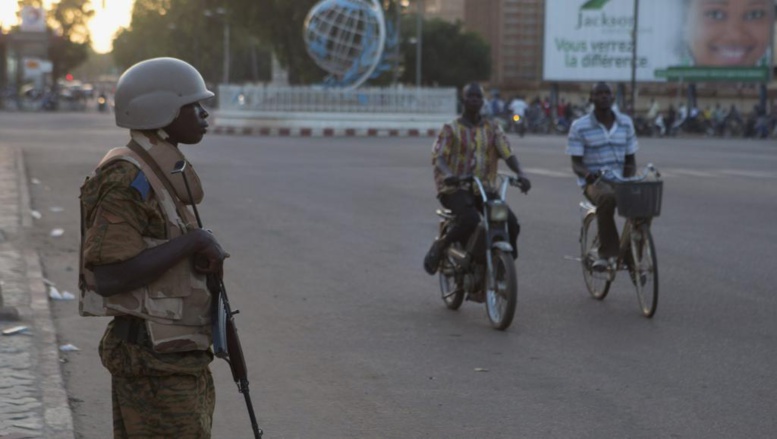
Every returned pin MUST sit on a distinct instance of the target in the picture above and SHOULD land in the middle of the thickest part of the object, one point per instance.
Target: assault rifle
(226, 343)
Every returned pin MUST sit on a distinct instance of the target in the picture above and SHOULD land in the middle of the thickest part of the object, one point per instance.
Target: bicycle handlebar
(507, 179)
(647, 170)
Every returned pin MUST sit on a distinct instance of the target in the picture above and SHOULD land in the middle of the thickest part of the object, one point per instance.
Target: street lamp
(223, 13)
(419, 40)
(634, 39)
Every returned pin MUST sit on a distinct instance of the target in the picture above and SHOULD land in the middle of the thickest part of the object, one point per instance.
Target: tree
(69, 38)
(449, 56)
(182, 29)
(280, 24)
(260, 28)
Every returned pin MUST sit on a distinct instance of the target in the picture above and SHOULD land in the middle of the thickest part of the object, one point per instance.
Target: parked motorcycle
(536, 120)
(730, 126)
(696, 124)
(563, 124)
(644, 127)
(483, 270)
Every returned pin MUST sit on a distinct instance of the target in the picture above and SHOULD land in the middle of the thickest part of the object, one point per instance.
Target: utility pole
(226, 50)
(419, 42)
(225, 16)
(634, 38)
(398, 30)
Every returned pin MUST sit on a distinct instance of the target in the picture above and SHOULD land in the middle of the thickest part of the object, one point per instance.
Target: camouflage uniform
(154, 395)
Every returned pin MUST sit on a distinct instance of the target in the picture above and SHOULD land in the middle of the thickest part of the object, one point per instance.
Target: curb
(324, 132)
(57, 414)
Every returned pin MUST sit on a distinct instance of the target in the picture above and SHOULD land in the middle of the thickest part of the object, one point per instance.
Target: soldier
(144, 260)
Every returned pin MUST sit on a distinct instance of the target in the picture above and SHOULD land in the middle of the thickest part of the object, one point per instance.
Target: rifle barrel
(243, 387)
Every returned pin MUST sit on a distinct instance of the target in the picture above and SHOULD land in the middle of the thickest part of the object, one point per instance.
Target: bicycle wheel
(598, 283)
(644, 273)
(451, 295)
(500, 302)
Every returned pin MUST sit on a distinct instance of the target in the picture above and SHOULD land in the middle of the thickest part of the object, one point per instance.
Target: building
(514, 29)
(448, 10)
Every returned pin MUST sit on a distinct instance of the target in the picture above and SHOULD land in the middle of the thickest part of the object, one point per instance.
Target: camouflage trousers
(158, 395)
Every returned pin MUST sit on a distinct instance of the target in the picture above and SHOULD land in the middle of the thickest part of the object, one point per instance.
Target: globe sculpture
(347, 39)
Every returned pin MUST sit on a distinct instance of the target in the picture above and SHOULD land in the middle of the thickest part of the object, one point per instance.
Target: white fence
(425, 101)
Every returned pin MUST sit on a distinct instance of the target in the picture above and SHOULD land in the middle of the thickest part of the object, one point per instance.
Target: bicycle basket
(639, 199)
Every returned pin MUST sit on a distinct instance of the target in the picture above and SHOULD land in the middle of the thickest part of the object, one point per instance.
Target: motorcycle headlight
(498, 211)
(516, 118)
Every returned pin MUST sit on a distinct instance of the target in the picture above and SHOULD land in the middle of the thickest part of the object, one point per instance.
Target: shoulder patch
(141, 184)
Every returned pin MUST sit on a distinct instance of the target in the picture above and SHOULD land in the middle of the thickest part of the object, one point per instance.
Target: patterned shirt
(117, 215)
(470, 150)
(600, 147)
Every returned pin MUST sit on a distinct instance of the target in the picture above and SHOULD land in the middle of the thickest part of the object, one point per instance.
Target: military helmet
(150, 94)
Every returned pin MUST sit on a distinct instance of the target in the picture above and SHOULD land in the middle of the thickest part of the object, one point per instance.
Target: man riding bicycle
(470, 145)
(603, 140)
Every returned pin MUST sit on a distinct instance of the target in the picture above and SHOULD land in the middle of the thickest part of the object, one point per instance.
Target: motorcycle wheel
(501, 301)
(451, 295)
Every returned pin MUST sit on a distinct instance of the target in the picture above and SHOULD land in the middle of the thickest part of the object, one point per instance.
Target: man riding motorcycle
(469, 145)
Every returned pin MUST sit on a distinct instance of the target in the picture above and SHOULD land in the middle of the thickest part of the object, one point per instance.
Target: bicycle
(638, 201)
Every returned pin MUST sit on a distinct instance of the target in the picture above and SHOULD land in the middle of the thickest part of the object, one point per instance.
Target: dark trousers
(466, 206)
(602, 195)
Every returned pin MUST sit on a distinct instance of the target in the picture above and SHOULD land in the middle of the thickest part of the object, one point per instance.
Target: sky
(105, 22)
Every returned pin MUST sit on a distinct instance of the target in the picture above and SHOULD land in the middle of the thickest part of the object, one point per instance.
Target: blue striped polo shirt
(600, 147)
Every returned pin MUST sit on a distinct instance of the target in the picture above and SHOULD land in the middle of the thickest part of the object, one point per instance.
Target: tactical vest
(176, 307)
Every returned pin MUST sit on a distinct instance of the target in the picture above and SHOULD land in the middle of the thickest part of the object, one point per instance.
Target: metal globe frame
(355, 60)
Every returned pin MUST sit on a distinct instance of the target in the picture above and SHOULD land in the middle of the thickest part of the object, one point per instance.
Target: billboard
(35, 67)
(691, 40)
(33, 19)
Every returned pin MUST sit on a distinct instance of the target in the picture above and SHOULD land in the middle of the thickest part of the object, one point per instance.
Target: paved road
(346, 336)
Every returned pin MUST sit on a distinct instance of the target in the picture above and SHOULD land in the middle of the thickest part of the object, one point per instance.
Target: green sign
(732, 74)
(594, 4)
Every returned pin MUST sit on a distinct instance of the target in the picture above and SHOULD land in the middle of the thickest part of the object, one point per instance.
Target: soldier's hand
(209, 259)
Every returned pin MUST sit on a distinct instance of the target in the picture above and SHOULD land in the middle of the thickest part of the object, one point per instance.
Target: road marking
(671, 173)
(688, 172)
(750, 174)
(549, 173)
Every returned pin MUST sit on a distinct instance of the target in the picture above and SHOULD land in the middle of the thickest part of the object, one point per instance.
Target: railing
(429, 101)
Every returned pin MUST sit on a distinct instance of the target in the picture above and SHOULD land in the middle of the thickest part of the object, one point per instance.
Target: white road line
(671, 173)
(549, 173)
(687, 172)
(750, 174)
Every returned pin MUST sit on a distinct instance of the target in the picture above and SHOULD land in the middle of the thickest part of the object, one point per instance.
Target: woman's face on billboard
(729, 32)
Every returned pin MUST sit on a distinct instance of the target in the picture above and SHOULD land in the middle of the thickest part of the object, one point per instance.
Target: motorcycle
(102, 103)
(644, 126)
(696, 124)
(517, 125)
(483, 270)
